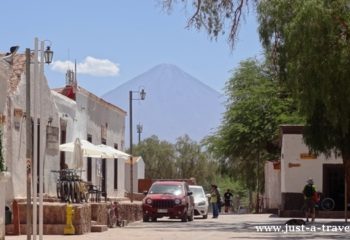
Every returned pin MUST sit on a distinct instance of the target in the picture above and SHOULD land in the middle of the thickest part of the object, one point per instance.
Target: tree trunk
(250, 201)
(346, 162)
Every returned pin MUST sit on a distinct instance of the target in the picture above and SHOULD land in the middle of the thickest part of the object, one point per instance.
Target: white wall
(272, 186)
(140, 169)
(92, 116)
(138, 173)
(3, 85)
(15, 147)
(85, 116)
(293, 179)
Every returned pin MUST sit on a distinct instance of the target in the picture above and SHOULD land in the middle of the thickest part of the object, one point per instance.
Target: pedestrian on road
(214, 200)
(309, 192)
(228, 200)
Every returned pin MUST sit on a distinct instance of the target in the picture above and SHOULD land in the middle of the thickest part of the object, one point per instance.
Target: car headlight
(148, 201)
(177, 201)
(201, 203)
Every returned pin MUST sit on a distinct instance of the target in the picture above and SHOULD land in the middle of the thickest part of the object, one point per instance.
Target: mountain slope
(176, 104)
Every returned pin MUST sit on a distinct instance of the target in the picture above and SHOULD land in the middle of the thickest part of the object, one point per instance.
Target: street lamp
(142, 95)
(46, 57)
(139, 128)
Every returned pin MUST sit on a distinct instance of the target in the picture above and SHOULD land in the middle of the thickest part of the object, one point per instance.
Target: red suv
(168, 198)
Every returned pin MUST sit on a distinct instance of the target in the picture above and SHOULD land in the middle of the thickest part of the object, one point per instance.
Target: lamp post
(46, 57)
(139, 128)
(142, 96)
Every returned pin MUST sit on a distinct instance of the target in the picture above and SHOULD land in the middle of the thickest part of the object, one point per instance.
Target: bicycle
(327, 204)
(70, 187)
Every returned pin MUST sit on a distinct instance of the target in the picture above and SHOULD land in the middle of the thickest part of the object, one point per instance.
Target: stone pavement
(243, 226)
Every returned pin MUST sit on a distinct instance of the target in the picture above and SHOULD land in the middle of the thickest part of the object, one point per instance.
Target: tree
(310, 43)
(159, 157)
(216, 16)
(248, 135)
(184, 159)
(191, 161)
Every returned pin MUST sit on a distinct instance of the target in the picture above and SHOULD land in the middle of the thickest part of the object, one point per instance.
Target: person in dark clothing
(228, 200)
(309, 192)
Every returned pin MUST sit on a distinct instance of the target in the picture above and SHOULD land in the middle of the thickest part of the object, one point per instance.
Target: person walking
(228, 200)
(214, 200)
(309, 192)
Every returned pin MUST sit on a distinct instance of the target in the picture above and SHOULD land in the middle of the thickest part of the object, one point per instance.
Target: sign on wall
(307, 156)
(52, 139)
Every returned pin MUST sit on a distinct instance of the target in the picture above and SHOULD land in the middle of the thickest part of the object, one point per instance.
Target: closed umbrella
(78, 154)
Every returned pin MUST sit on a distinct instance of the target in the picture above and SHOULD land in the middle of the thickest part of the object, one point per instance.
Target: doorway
(104, 174)
(333, 184)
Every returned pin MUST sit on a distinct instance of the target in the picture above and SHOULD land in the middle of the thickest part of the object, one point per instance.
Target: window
(104, 172)
(62, 154)
(89, 162)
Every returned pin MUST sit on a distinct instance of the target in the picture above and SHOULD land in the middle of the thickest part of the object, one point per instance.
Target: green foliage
(184, 159)
(159, 157)
(248, 135)
(310, 42)
(215, 16)
(225, 182)
(192, 161)
(2, 160)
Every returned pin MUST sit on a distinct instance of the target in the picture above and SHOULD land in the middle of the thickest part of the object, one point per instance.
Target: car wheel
(184, 218)
(154, 219)
(205, 216)
(145, 219)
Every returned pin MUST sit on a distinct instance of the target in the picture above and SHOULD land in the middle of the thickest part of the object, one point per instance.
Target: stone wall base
(84, 215)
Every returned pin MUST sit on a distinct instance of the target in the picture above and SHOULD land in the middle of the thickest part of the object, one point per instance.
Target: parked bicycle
(70, 187)
(325, 203)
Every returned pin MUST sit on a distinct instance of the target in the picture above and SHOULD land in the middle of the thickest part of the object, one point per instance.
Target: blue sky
(114, 41)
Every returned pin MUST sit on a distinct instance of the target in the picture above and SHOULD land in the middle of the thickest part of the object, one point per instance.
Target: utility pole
(28, 147)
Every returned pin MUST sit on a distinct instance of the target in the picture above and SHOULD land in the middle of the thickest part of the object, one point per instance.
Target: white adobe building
(284, 181)
(138, 173)
(63, 118)
(86, 116)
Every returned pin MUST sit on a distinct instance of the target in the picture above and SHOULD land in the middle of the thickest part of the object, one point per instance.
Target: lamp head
(48, 55)
(142, 94)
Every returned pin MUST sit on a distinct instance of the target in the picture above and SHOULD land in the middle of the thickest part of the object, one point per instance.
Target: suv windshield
(166, 189)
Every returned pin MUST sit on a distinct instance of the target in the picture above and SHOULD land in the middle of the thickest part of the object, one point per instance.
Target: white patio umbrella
(88, 149)
(114, 153)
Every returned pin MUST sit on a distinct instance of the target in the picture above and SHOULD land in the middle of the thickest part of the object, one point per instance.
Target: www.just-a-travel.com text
(301, 228)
